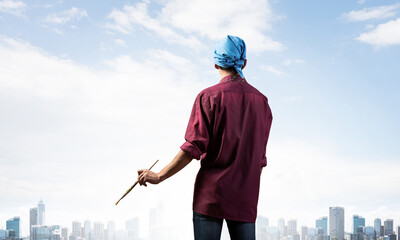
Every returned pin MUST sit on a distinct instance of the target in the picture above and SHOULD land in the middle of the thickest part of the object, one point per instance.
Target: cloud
(185, 22)
(137, 14)
(383, 35)
(291, 61)
(274, 70)
(215, 19)
(66, 16)
(12, 7)
(120, 42)
(381, 12)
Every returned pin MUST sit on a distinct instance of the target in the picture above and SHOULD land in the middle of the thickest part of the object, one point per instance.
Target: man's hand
(145, 175)
(180, 161)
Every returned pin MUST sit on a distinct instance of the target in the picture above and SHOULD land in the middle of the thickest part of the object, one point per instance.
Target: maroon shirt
(228, 128)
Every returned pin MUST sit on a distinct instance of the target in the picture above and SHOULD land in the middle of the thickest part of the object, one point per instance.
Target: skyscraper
(40, 213)
(398, 232)
(377, 228)
(358, 221)
(76, 229)
(292, 227)
(261, 227)
(336, 223)
(13, 225)
(304, 232)
(98, 231)
(323, 224)
(281, 227)
(64, 234)
(388, 224)
(87, 229)
(132, 227)
(111, 230)
(33, 217)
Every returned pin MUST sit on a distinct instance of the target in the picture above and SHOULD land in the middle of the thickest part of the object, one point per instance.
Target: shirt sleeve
(197, 131)
(264, 159)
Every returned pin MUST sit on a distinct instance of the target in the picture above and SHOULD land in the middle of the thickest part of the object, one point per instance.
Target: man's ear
(245, 63)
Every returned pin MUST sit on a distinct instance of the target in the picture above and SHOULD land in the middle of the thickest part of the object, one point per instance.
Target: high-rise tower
(13, 226)
(377, 228)
(40, 213)
(323, 224)
(358, 221)
(388, 226)
(336, 223)
(33, 217)
(292, 227)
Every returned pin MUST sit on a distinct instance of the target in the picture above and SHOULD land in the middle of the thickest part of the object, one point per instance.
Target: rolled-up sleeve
(197, 131)
(267, 130)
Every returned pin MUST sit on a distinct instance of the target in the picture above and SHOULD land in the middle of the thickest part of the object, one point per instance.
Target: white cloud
(361, 1)
(291, 61)
(383, 35)
(137, 14)
(13, 7)
(381, 12)
(120, 42)
(66, 16)
(215, 19)
(184, 22)
(274, 70)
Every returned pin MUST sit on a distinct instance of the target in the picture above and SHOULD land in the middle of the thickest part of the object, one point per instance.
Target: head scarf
(230, 52)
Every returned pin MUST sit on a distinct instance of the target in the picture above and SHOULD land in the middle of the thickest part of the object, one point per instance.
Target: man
(228, 130)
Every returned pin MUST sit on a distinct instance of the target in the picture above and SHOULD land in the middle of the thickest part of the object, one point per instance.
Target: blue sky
(90, 91)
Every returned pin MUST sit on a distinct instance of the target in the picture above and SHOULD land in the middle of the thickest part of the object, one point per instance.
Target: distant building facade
(322, 223)
(12, 225)
(358, 221)
(336, 223)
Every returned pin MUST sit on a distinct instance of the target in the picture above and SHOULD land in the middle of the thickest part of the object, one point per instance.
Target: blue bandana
(230, 52)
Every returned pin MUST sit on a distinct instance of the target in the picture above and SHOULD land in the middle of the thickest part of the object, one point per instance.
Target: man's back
(229, 128)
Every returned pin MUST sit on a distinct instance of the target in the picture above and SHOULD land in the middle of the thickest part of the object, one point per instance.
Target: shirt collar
(232, 78)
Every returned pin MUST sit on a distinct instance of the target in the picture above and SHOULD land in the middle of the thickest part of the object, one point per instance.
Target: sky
(92, 91)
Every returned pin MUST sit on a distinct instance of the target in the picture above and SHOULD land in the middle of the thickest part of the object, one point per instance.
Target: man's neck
(224, 73)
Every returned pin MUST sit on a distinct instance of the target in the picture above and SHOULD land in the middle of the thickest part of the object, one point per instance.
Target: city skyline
(97, 230)
(91, 91)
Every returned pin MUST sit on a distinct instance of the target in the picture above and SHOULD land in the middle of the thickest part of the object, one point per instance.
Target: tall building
(132, 228)
(398, 232)
(13, 224)
(46, 232)
(323, 224)
(358, 221)
(262, 224)
(64, 234)
(33, 217)
(304, 232)
(3, 234)
(388, 224)
(369, 231)
(76, 229)
(281, 227)
(336, 223)
(292, 227)
(40, 213)
(377, 228)
(111, 230)
(87, 229)
(98, 231)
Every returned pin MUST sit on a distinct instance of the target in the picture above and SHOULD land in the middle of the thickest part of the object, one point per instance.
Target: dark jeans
(209, 228)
